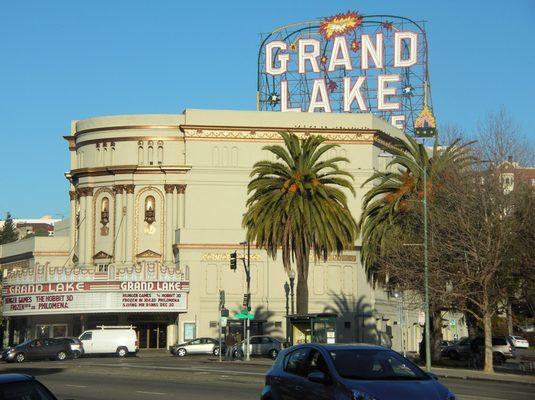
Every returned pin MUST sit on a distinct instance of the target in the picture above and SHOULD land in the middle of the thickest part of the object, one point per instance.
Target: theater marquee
(94, 297)
(348, 63)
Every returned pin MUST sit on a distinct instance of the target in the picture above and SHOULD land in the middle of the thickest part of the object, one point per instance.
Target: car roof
(12, 378)
(345, 346)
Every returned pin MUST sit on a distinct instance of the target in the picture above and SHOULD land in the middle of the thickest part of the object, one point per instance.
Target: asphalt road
(194, 378)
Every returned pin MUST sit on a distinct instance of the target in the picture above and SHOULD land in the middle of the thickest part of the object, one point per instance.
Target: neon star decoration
(424, 125)
(340, 24)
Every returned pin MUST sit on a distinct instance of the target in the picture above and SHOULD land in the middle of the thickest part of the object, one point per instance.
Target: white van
(120, 340)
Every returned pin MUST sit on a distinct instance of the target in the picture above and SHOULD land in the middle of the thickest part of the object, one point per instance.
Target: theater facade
(156, 203)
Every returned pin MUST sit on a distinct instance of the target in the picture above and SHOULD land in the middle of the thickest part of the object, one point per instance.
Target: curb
(480, 378)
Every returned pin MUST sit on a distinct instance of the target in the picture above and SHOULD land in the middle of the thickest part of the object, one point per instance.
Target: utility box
(312, 328)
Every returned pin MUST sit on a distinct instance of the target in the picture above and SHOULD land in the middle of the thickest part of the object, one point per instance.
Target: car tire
(181, 352)
(453, 355)
(498, 358)
(273, 353)
(216, 351)
(122, 352)
(20, 357)
(76, 354)
(61, 356)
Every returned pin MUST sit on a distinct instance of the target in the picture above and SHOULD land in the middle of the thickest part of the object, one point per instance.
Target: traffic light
(233, 261)
(247, 301)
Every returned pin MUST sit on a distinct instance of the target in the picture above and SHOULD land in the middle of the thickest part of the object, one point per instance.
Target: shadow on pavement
(31, 371)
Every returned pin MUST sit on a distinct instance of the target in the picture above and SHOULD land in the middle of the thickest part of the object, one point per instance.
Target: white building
(156, 209)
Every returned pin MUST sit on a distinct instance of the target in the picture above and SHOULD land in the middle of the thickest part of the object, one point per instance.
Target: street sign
(223, 322)
(245, 314)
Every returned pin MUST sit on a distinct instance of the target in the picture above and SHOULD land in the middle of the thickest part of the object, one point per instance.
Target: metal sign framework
(412, 90)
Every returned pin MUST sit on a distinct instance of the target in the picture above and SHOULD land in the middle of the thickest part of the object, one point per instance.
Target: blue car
(349, 372)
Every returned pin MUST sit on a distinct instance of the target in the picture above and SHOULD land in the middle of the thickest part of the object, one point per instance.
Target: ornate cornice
(125, 127)
(72, 195)
(181, 189)
(129, 169)
(169, 188)
(129, 188)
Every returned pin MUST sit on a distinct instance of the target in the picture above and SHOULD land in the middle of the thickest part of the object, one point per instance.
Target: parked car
(121, 340)
(260, 346)
(20, 386)
(446, 343)
(349, 372)
(518, 342)
(202, 345)
(38, 349)
(501, 349)
(76, 345)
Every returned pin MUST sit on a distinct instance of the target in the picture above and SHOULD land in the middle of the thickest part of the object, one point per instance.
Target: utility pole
(247, 267)
(426, 281)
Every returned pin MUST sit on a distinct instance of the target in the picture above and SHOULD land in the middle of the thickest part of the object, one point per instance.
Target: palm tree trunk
(302, 283)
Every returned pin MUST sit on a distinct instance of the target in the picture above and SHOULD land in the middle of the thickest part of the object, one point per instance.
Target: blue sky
(65, 60)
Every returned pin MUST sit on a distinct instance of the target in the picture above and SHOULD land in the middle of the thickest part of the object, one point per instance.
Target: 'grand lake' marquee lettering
(347, 63)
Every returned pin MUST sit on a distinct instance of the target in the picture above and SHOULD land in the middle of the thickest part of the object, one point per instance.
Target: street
(165, 377)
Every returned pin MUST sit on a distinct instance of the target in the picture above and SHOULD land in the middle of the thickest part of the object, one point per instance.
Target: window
(87, 336)
(150, 209)
(255, 340)
(499, 342)
(189, 330)
(102, 267)
(266, 340)
(347, 325)
(32, 390)
(317, 363)
(295, 362)
(196, 341)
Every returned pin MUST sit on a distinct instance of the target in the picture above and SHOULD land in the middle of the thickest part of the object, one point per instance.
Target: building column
(119, 225)
(181, 221)
(89, 235)
(72, 223)
(129, 226)
(170, 208)
(81, 227)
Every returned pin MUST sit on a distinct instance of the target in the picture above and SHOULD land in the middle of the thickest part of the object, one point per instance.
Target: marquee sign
(349, 63)
(91, 297)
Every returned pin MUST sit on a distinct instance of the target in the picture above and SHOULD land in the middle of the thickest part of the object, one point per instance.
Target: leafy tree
(9, 232)
(299, 204)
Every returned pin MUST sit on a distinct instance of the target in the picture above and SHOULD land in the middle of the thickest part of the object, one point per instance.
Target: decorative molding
(72, 195)
(169, 188)
(102, 255)
(118, 189)
(85, 191)
(181, 188)
(125, 127)
(129, 188)
(148, 254)
(127, 169)
(226, 257)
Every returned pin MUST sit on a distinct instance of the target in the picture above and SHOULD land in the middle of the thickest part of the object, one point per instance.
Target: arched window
(160, 152)
(104, 215)
(150, 209)
(140, 152)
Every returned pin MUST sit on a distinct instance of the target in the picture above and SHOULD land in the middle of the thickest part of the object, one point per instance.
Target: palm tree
(390, 198)
(298, 204)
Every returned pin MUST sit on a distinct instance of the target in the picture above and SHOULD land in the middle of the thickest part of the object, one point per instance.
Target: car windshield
(375, 364)
(24, 391)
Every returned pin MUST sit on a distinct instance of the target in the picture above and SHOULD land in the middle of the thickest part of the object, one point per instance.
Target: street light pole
(426, 281)
(291, 275)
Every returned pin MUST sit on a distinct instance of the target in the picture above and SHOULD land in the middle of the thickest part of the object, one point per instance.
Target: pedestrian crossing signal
(233, 261)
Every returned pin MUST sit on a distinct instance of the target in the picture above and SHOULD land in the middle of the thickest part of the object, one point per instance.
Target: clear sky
(65, 60)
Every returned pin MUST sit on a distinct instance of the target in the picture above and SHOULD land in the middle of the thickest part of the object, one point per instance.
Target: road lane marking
(143, 392)
(76, 386)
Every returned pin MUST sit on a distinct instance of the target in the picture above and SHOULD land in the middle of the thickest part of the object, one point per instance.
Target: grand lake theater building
(156, 203)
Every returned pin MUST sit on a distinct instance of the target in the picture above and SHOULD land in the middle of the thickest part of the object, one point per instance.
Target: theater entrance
(152, 335)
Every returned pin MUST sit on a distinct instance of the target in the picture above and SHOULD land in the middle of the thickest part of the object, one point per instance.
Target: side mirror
(318, 377)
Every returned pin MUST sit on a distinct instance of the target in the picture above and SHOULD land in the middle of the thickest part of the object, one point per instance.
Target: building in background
(156, 203)
(43, 226)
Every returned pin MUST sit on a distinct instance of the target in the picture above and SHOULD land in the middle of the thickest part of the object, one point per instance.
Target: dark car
(22, 387)
(75, 344)
(38, 349)
(349, 372)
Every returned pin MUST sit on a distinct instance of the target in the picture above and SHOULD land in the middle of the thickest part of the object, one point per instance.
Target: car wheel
(61, 356)
(122, 351)
(181, 352)
(20, 357)
(453, 355)
(216, 351)
(76, 354)
(273, 353)
(499, 359)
